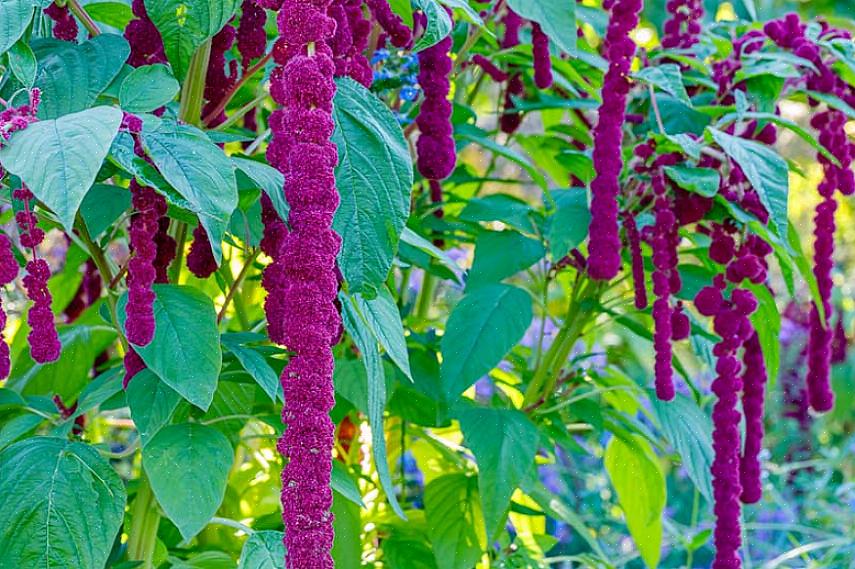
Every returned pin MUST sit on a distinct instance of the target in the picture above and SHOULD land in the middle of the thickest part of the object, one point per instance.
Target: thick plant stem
(193, 90)
(145, 519)
(426, 296)
(84, 17)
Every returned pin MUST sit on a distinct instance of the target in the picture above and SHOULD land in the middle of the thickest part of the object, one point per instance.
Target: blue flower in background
(382, 74)
(379, 55)
(409, 93)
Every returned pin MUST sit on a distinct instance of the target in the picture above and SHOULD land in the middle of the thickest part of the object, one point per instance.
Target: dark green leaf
(147, 88)
(500, 207)
(17, 427)
(374, 178)
(255, 364)
(102, 206)
(74, 145)
(263, 550)
(64, 502)
(199, 171)
(494, 260)
(413, 239)
(666, 76)
(483, 327)
(185, 352)
(15, 16)
(701, 181)
(114, 14)
(268, 179)
(23, 63)
(556, 17)
(767, 323)
(347, 545)
(383, 318)
(438, 24)
(504, 442)
(455, 522)
(151, 402)
(567, 227)
(188, 466)
(344, 484)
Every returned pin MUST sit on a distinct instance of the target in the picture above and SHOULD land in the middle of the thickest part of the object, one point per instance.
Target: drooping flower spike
(437, 154)
(144, 38)
(64, 23)
(9, 270)
(604, 246)
(542, 57)
(251, 35)
(682, 29)
(399, 34)
(200, 259)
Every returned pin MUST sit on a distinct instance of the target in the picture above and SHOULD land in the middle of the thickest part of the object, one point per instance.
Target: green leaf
(413, 239)
(767, 172)
(188, 467)
(374, 178)
(72, 76)
(468, 11)
(63, 500)
(185, 25)
(347, 545)
(102, 206)
(255, 365)
(701, 181)
(22, 62)
(344, 484)
(454, 519)
(483, 327)
(383, 318)
(567, 227)
(151, 402)
(492, 259)
(199, 171)
(556, 17)
(404, 9)
(268, 179)
(356, 325)
(689, 430)
(640, 485)
(147, 88)
(509, 210)
(785, 123)
(67, 376)
(438, 24)
(15, 16)
(74, 145)
(504, 442)
(114, 14)
(185, 352)
(767, 323)
(17, 427)
(667, 77)
(263, 550)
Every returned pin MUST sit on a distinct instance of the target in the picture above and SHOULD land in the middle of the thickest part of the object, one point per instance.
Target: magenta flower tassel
(166, 247)
(399, 34)
(542, 58)
(218, 81)
(489, 68)
(150, 206)
(251, 36)
(436, 151)
(683, 28)
(64, 24)
(9, 270)
(510, 120)
(200, 259)
(350, 41)
(634, 239)
(604, 246)
(144, 38)
(301, 149)
(754, 386)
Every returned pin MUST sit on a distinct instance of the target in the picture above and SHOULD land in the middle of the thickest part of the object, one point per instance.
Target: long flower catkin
(436, 151)
(9, 270)
(604, 245)
(303, 86)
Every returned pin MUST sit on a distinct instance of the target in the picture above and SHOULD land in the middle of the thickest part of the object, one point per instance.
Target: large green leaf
(484, 326)
(22, 62)
(114, 14)
(62, 505)
(374, 178)
(185, 352)
(493, 263)
(268, 179)
(438, 24)
(199, 171)
(504, 442)
(666, 76)
(15, 16)
(702, 181)
(255, 365)
(455, 522)
(383, 318)
(147, 88)
(767, 172)
(556, 17)
(567, 227)
(263, 550)
(640, 485)
(188, 467)
(186, 24)
(358, 328)
(689, 431)
(74, 146)
(72, 76)
(151, 402)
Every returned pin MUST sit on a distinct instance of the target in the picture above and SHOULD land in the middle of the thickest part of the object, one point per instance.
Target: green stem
(145, 519)
(241, 112)
(180, 239)
(193, 90)
(84, 17)
(426, 296)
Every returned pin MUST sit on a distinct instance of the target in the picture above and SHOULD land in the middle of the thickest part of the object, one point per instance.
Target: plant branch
(84, 17)
(215, 112)
(237, 284)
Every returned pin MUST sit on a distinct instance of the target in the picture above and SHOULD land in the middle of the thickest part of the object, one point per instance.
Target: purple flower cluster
(144, 38)
(87, 293)
(251, 36)
(437, 155)
(683, 28)
(753, 396)
(489, 68)
(604, 246)
(542, 58)
(8, 273)
(166, 248)
(790, 33)
(350, 41)
(200, 259)
(634, 239)
(150, 207)
(306, 278)
(399, 34)
(14, 119)
(218, 81)
(510, 120)
(64, 24)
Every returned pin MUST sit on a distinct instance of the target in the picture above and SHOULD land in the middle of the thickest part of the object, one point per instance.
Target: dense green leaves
(199, 171)
(484, 326)
(556, 17)
(668, 78)
(374, 177)
(185, 352)
(504, 442)
(184, 26)
(640, 485)
(62, 505)
(74, 145)
(147, 88)
(188, 466)
(455, 521)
